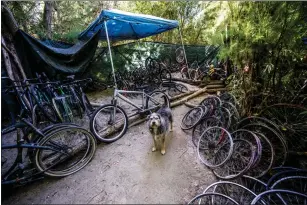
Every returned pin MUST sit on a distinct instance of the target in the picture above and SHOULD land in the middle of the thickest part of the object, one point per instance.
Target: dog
(158, 124)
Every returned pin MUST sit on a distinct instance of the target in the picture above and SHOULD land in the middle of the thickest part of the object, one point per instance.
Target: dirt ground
(127, 171)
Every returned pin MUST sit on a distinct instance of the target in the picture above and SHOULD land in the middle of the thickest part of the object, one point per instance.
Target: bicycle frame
(118, 94)
(19, 159)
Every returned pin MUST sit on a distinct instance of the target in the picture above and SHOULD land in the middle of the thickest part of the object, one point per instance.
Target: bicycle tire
(253, 119)
(229, 190)
(259, 199)
(165, 74)
(211, 200)
(283, 174)
(202, 125)
(62, 109)
(292, 187)
(86, 157)
(156, 102)
(194, 115)
(193, 74)
(209, 146)
(49, 115)
(268, 153)
(253, 139)
(233, 171)
(279, 148)
(107, 108)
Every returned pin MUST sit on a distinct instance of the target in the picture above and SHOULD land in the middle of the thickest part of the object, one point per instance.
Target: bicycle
(56, 151)
(110, 122)
(34, 102)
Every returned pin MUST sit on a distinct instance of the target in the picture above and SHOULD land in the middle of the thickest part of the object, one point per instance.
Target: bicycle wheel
(211, 102)
(236, 191)
(215, 147)
(279, 196)
(156, 100)
(43, 104)
(193, 74)
(292, 121)
(68, 150)
(267, 158)
(204, 124)
(179, 55)
(241, 159)
(167, 60)
(227, 97)
(109, 123)
(39, 119)
(62, 108)
(191, 118)
(280, 147)
(224, 115)
(213, 199)
(293, 183)
(284, 174)
(165, 74)
(255, 119)
(182, 88)
(235, 116)
(255, 185)
(253, 139)
(75, 104)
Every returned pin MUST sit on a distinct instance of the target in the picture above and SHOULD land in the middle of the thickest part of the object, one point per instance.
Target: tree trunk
(8, 19)
(47, 21)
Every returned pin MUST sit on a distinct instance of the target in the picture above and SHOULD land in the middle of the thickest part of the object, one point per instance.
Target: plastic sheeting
(125, 25)
(38, 56)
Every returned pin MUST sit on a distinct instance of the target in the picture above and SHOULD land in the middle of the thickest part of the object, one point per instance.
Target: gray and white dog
(159, 127)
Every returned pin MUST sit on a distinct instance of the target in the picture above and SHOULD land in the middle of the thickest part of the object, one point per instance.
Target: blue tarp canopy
(125, 25)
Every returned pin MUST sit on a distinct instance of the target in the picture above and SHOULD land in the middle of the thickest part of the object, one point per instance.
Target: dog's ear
(148, 116)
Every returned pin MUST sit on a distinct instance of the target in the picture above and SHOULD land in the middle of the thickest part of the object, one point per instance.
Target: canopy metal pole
(185, 56)
(113, 71)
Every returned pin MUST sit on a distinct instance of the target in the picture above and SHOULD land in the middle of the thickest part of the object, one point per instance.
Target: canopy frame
(105, 19)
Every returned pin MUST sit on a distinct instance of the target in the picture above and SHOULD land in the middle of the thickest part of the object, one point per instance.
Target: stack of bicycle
(59, 148)
(231, 146)
(283, 185)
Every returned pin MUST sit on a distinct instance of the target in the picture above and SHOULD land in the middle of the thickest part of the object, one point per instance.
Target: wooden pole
(15, 58)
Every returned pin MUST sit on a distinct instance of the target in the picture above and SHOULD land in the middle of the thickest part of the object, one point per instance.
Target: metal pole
(113, 71)
(185, 56)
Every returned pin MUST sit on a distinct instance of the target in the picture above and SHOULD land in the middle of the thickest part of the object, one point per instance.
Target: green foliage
(265, 36)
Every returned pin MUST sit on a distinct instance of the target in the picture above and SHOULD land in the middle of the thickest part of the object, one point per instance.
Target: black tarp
(36, 56)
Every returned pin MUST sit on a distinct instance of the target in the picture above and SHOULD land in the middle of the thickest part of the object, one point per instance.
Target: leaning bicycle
(110, 122)
(56, 151)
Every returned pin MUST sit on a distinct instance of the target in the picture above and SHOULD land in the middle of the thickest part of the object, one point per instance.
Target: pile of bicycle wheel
(231, 146)
(284, 185)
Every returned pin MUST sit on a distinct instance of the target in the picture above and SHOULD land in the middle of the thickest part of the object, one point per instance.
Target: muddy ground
(127, 171)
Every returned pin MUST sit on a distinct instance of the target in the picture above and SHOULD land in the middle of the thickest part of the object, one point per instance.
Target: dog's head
(154, 120)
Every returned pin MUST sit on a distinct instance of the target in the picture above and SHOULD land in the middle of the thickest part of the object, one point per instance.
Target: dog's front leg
(171, 130)
(154, 148)
(163, 145)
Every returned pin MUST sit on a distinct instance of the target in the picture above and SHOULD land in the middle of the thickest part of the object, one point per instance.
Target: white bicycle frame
(118, 94)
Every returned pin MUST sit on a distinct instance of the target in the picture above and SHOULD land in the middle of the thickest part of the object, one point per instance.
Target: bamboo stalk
(189, 81)
(195, 94)
(182, 95)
